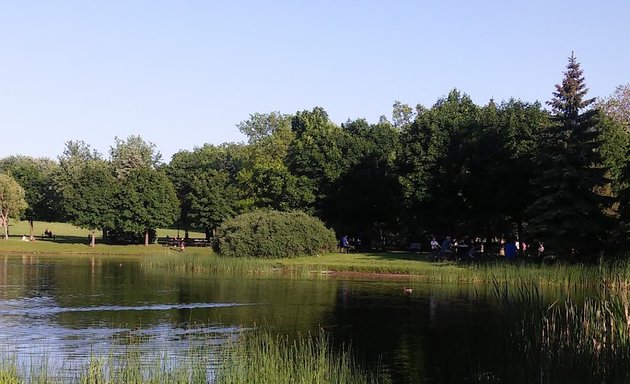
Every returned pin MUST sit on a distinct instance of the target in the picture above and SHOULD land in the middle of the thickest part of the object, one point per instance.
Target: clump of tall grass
(130, 366)
(35, 372)
(267, 358)
(197, 262)
(567, 276)
(133, 367)
(257, 357)
(567, 341)
(9, 372)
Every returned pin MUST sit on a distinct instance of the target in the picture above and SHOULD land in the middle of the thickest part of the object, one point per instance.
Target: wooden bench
(198, 243)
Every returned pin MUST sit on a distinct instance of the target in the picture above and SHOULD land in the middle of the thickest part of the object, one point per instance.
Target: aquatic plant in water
(267, 358)
(257, 357)
(566, 341)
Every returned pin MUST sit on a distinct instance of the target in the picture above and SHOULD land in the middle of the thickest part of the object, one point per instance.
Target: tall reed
(586, 342)
(257, 357)
(605, 274)
(267, 358)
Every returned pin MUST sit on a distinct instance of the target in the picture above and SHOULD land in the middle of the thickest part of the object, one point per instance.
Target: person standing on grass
(435, 248)
(446, 247)
(345, 245)
(510, 250)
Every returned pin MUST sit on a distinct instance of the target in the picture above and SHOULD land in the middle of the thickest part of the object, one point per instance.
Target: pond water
(69, 308)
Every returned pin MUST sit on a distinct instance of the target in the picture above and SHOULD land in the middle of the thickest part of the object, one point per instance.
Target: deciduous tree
(90, 198)
(12, 201)
(35, 176)
(146, 201)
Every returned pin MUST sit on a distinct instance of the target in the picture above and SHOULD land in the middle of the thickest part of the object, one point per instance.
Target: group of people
(176, 242)
(469, 249)
(465, 248)
(347, 244)
(450, 248)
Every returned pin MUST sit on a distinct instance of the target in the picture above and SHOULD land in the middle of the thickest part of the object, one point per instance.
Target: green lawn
(73, 240)
(65, 230)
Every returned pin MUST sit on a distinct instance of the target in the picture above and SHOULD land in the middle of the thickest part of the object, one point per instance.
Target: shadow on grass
(62, 239)
(398, 255)
(72, 240)
(428, 258)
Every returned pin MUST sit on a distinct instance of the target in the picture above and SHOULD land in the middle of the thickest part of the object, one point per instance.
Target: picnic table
(190, 242)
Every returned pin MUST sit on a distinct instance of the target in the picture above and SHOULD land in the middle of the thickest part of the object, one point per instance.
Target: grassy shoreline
(413, 267)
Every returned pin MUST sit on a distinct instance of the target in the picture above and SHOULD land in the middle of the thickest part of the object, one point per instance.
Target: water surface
(70, 308)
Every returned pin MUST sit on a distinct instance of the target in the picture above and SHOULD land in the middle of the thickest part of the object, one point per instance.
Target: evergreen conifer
(568, 214)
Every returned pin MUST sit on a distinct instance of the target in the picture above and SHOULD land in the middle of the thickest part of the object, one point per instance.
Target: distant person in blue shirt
(446, 248)
(446, 244)
(345, 245)
(510, 250)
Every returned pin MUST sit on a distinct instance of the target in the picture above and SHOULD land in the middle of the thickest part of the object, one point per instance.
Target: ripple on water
(30, 334)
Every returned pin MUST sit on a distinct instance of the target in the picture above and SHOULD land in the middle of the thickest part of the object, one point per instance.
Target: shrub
(273, 234)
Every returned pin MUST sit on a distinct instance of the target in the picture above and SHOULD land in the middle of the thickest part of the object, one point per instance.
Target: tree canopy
(484, 171)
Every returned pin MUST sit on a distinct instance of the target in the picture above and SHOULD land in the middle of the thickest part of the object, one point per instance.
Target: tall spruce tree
(568, 214)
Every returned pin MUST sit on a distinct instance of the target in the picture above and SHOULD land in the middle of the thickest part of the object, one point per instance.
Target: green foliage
(212, 199)
(272, 234)
(133, 153)
(208, 179)
(146, 200)
(366, 199)
(71, 163)
(90, 199)
(402, 115)
(432, 163)
(615, 144)
(273, 186)
(617, 106)
(12, 201)
(270, 131)
(568, 214)
(35, 176)
(320, 150)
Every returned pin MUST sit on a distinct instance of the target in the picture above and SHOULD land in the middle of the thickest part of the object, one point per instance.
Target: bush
(273, 234)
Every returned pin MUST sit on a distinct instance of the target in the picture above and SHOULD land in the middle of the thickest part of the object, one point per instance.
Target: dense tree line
(554, 175)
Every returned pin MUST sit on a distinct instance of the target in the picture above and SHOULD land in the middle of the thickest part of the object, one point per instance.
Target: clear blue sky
(183, 73)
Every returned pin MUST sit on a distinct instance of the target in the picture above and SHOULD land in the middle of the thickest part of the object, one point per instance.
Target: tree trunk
(5, 226)
(146, 237)
(31, 237)
(93, 240)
